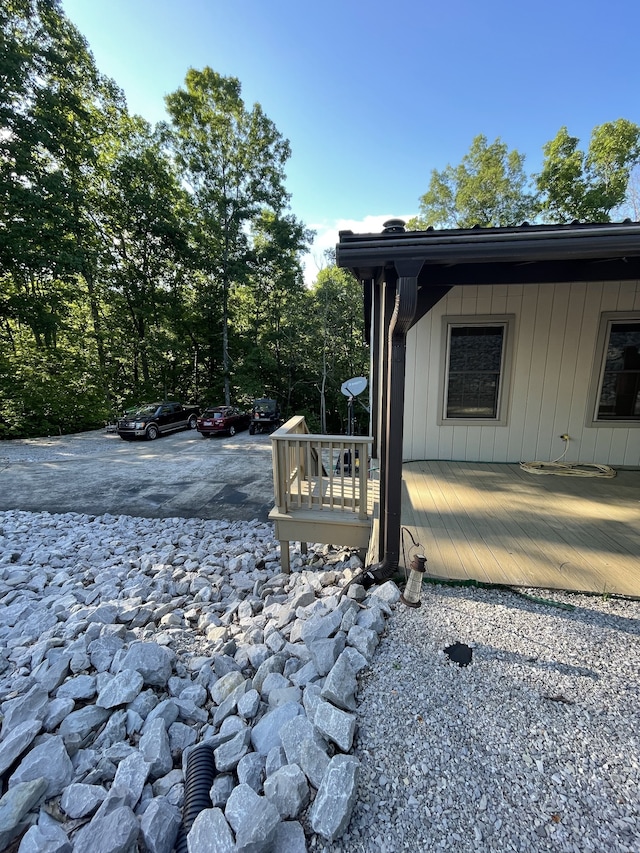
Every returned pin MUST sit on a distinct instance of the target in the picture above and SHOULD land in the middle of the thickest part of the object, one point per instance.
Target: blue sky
(374, 95)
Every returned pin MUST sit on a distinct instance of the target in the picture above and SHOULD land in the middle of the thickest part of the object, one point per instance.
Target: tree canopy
(491, 188)
(588, 185)
(233, 161)
(141, 262)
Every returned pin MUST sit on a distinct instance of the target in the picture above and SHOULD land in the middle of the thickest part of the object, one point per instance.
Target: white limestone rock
(253, 819)
(16, 742)
(336, 725)
(48, 760)
(152, 661)
(210, 833)
(265, 734)
(159, 826)
(121, 689)
(79, 800)
(331, 810)
(288, 790)
(16, 804)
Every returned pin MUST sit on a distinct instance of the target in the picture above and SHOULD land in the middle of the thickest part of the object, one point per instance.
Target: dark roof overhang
(524, 254)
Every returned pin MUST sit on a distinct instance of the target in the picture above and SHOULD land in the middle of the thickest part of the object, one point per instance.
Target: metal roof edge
(531, 242)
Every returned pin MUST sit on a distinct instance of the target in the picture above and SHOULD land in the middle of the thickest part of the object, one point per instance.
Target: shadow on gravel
(489, 653)
(546, 603)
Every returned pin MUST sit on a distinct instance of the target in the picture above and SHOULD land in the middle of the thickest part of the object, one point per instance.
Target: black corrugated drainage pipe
(404, 310)
(199, 776)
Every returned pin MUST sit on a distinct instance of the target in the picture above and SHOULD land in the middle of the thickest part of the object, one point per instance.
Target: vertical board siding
(554, 357)
(545, 363)
(550, 445)
(520, 302)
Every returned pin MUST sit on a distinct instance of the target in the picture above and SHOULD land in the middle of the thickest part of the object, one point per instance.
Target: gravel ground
(532, 747)
(56, 447)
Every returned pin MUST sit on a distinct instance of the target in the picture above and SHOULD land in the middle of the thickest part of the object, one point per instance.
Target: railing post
(363, 455)
(279, 453)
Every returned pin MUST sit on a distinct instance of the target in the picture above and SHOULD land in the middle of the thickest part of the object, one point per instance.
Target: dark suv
(265, 416)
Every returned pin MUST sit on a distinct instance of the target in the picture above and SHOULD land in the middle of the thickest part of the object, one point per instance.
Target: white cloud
(327, 238)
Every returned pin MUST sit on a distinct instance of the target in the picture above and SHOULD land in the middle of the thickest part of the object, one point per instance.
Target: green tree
(273, 300)
(143, 217)
(233, 161)
(588, 186)
(50, 97)
(339, 351)
(631, 205)
(489, 188)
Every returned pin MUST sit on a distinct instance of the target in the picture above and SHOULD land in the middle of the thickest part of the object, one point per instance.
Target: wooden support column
(404, 308)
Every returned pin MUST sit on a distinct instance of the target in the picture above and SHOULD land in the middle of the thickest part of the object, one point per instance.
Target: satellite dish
(353, 387)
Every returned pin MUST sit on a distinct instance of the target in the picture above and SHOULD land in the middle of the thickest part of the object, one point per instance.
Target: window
(618, 396)
(476, 355)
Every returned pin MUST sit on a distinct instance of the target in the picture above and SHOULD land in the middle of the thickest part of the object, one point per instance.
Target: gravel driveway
(179, 475)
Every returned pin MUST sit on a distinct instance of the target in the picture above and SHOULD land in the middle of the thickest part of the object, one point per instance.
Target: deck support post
(285, 560)
(406, 299)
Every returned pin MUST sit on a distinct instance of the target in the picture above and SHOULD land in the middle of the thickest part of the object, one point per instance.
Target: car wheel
(232, 430)
(152, 432)
(193, 422)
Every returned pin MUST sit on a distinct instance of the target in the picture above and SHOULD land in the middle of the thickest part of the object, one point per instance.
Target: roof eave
(369, 253)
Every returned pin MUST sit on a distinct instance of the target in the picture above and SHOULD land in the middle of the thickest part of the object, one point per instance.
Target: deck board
(496, 523)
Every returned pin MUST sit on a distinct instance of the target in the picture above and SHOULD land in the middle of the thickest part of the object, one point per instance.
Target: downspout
(387, 305)
(406, 300)
(375, 301)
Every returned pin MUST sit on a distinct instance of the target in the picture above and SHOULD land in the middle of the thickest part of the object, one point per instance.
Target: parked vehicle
(217, 419)
(265, 416)
(151, 420)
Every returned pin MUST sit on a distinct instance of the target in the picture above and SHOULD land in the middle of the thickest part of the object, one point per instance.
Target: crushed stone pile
(127, 643)
(318, 716)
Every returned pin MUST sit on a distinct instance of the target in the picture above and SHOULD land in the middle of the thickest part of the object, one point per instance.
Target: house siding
(554, 350)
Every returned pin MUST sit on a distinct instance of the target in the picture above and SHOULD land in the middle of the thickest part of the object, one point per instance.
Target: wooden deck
(496, 523)
(323, 491)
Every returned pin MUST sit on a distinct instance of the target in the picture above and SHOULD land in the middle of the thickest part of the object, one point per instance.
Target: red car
(222, 419)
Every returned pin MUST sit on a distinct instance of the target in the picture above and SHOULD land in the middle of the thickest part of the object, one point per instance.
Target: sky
(374, 95)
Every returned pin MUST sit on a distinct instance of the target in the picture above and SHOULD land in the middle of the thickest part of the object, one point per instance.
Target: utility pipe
(199, 776)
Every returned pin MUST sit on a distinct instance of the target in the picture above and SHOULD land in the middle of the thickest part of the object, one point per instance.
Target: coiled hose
(199, 776)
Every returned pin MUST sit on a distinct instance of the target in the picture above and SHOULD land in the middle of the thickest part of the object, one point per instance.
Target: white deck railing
(320, 472)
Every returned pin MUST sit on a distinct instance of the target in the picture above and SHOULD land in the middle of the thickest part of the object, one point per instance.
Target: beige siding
(555, 333)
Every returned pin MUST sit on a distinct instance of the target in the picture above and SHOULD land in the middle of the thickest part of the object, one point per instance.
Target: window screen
(474, 368)
(620, 390)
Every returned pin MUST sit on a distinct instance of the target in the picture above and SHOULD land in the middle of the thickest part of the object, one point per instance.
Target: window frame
(607, 320)
(505, 321)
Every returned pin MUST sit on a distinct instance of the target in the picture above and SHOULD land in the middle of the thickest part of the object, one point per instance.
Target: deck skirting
(308, 525)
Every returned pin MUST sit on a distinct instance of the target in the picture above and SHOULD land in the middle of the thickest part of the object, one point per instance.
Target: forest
(143, 262)
(140, 262)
